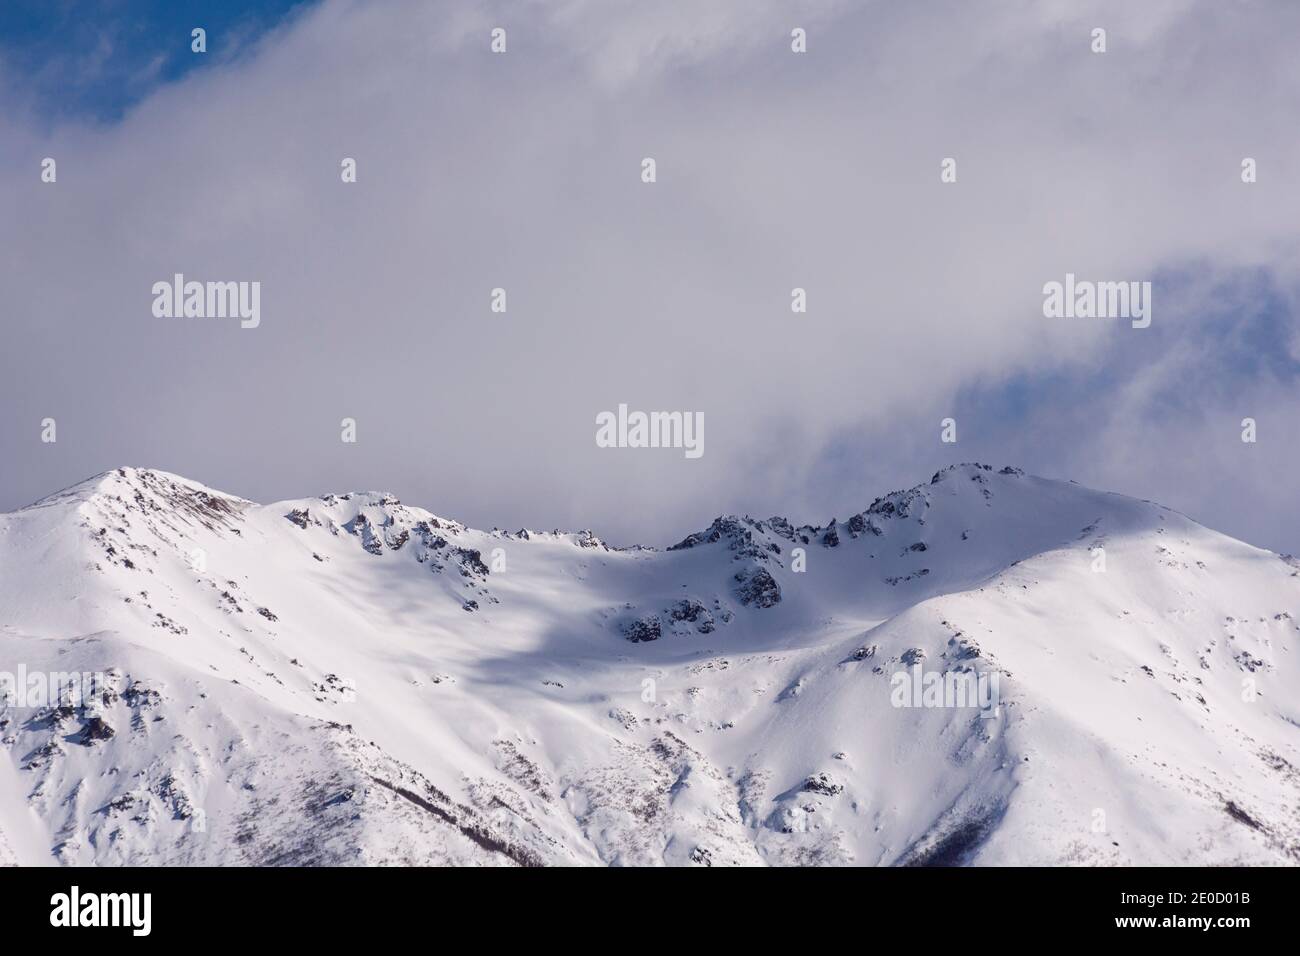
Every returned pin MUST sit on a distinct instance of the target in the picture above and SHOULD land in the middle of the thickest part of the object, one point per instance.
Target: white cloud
(775, 170)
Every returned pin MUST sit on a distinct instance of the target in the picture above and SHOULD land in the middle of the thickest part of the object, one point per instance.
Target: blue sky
(97, 58)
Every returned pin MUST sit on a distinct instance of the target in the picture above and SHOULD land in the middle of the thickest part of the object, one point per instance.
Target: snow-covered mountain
(350, 679)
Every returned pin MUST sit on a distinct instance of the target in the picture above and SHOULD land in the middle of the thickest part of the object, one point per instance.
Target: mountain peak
(153, 486)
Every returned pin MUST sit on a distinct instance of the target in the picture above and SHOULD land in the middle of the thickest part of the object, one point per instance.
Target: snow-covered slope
(349, 679)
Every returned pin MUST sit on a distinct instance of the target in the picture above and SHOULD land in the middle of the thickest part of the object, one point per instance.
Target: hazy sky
(775, 170)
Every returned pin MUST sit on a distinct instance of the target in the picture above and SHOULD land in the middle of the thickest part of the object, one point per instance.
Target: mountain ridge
(888, 503)
(347, 678)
